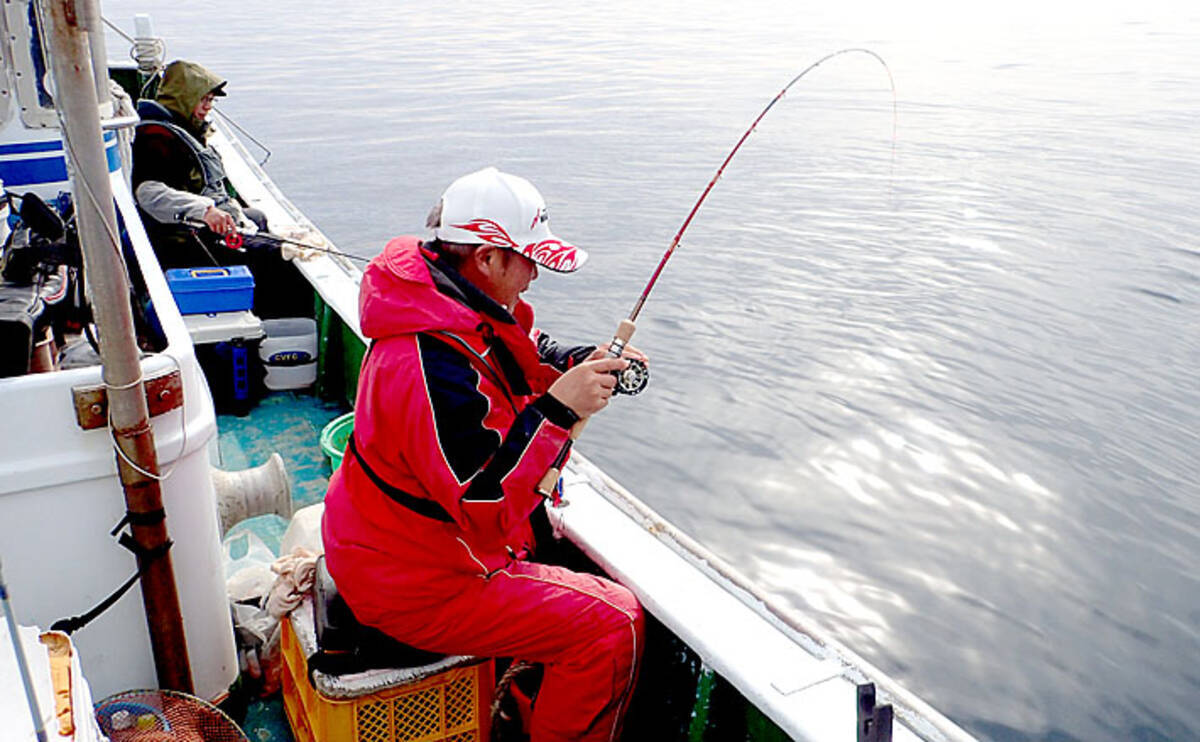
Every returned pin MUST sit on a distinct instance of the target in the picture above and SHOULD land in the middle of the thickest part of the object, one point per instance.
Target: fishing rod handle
(546, 487)
(621, 338)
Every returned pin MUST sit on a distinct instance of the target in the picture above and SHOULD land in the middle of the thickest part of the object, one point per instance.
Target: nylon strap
(419, 505)
(151, 518)
(146, 558)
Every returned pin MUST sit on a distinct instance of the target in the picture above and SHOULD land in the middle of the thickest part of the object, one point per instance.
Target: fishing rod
(240, 240)
(634, 378)
(39, 728)
(637, 308)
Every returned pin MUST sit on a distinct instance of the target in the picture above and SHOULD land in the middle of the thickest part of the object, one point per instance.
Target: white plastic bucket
(282, 378)
(289, 353)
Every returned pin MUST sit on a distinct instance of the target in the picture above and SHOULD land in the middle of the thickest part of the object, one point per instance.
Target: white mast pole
(75, 97)
(91, 22)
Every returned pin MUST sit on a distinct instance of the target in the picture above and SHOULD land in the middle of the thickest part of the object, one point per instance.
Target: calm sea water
(939, 391)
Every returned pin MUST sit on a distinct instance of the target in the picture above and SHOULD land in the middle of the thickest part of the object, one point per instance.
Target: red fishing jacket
(453, 428)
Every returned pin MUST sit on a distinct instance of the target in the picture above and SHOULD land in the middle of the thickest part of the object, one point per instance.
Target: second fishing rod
(242, 240)
(634, 378)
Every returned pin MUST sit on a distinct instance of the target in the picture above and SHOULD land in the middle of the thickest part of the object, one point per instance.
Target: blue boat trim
(110, 151)
(33, 172)
(22, 148)
(25, 171)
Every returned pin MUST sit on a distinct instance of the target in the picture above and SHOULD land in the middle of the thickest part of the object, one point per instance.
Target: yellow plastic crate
(451, 706)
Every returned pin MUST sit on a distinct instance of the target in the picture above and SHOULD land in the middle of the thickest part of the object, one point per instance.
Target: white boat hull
(60, 495)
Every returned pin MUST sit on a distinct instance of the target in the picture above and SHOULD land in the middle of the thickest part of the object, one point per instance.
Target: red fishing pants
(586, 630)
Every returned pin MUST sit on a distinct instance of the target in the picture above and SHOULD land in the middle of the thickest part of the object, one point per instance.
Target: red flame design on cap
(490, 232)
(553, 254)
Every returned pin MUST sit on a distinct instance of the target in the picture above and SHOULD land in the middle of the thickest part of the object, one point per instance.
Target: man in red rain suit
(462, 407)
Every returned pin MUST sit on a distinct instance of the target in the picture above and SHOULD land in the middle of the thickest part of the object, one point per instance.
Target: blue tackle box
(211, 290)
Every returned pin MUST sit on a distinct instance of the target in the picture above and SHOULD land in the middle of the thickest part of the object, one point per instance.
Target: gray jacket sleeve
(170, 206)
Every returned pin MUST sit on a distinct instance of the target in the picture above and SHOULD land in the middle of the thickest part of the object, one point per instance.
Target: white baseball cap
(494, 208)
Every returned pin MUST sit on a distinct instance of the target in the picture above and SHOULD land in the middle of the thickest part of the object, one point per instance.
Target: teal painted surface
(270, 528)
(287, 422)
(266, 722)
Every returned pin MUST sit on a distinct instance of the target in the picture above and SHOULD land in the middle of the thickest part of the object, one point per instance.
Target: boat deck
(289, 423)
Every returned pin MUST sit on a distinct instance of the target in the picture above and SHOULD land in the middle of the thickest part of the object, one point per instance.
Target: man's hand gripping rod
(630, 381)
(237, 239)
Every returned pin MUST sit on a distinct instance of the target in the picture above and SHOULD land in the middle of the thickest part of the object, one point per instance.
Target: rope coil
(149, 53)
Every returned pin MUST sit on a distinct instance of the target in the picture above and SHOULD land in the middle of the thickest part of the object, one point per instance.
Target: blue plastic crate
(211, 290)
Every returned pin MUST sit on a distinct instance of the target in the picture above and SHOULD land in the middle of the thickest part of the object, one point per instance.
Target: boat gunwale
(921, 718)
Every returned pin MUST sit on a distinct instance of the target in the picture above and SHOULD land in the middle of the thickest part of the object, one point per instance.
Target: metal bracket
(120, 122)
(163, 394)
(874, 721)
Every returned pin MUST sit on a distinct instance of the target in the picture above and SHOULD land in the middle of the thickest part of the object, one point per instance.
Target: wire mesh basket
(164, 716)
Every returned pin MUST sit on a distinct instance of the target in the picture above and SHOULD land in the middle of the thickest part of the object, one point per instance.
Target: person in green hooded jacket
(179, 182)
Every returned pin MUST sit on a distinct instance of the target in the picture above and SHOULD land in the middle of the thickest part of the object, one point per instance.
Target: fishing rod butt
(547, 487)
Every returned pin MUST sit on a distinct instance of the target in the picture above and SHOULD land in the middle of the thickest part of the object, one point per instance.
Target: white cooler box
(289, 353)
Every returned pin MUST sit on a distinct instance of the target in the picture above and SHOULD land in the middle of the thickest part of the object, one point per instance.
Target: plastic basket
(450, 706)
(334, 437)
(163, 716)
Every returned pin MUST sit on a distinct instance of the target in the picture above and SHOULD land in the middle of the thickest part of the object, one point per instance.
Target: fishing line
(637, 308)
(636, 375)
(633, 379)
(246, 134)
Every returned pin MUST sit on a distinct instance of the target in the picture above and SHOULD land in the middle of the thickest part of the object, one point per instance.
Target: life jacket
(206, 161)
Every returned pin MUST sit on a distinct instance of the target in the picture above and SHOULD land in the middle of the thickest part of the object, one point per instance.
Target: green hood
(182, 87)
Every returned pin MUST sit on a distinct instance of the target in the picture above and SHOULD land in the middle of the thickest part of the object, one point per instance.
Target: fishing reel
(633, 378)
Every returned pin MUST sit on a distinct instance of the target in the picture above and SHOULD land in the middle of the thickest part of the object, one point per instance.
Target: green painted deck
(289, 423)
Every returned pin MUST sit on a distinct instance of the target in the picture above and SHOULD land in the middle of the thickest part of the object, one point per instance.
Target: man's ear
(486, 257)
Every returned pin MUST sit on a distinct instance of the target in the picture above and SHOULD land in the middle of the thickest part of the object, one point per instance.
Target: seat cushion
(344, 645)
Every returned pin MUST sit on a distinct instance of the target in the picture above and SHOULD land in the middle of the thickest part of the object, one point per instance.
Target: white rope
(124, 107)
(183, 427)
(124, 387)
(148, 52)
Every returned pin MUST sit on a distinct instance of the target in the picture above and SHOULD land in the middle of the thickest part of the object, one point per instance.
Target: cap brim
(555, 255)
(219, 90)
(548, 252)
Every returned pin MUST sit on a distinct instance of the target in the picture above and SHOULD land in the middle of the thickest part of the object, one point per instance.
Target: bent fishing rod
(635, 377)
